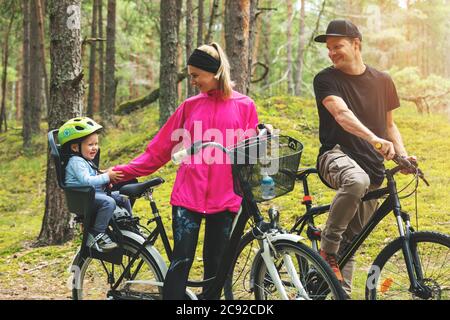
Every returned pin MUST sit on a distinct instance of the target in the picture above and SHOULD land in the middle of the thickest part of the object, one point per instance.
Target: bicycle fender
(287, 236)
(258, 258)
(155, 254)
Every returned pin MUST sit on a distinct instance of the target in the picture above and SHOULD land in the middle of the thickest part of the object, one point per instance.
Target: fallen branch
(132, 105)
(41, 266)
(421, 101)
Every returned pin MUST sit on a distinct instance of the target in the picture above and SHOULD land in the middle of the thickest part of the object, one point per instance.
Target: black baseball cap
(339, 28)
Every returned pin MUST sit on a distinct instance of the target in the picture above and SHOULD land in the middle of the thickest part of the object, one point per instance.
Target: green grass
(27, 272)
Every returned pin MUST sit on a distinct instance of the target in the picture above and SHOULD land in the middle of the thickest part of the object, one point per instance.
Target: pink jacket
(199, 186)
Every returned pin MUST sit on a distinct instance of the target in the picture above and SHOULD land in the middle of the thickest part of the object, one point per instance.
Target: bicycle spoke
(432, 259)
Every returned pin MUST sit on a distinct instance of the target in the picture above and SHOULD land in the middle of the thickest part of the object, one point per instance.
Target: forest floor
(28, 272)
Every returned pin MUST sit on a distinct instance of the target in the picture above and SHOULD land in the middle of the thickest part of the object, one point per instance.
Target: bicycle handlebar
(404, 163)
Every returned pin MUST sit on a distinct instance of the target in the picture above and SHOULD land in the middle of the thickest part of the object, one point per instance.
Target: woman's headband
(202, 60)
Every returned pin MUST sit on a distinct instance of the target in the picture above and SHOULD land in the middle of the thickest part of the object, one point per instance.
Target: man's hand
(413, 160)
(384, 147)
(114, 176)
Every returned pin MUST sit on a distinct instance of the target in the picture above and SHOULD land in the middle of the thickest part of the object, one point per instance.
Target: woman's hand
(114, 176)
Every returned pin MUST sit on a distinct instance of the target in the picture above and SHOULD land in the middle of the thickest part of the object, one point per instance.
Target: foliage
(434, 88)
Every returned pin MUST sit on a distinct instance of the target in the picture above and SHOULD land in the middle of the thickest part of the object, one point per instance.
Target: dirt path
(31, 274)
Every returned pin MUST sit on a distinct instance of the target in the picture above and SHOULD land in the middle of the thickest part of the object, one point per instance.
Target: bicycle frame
(391, 203)
(249, 209)
(219, 280)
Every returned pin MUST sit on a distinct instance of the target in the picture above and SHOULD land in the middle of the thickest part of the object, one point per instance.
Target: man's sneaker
(102, 242)
(332, 261)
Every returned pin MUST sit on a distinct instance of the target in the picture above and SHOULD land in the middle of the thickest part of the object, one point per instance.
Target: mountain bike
(136, 270)
(416, 265)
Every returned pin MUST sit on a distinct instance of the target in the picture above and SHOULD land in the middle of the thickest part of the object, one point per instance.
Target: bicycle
(141, 276)
(410, 266)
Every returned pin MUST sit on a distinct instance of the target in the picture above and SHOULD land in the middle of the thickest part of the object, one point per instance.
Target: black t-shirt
(369, 96)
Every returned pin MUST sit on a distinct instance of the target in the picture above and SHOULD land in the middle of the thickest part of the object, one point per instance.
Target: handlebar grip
(178, 156)
(262, 132)
(398, 159)
(403, 162)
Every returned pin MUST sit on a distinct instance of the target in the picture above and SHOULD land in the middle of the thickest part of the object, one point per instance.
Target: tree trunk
(300, 50)
(200, 23)
(212, 18)
(257, 31)
(18, 92)
(179, 46)
(168, 67)
(35, 70)
(237, 22)
(66, 101)
(92, 60)
(5, 74)
(40, 20)
(251, 40)
(267, 40)
(101, 53)
(189, 40)
(179, 9)
(26, 106)
(290, 15)
(110, 81)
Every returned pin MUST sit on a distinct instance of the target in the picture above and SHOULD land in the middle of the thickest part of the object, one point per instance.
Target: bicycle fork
(412, 260)
(268, 253)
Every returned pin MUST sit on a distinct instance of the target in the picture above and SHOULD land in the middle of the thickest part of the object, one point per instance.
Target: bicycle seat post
(159, 224)
(149, 196)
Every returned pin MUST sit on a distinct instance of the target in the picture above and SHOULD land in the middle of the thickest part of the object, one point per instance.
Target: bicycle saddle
(136, 190)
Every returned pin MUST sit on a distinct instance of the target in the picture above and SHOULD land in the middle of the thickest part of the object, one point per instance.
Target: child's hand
(114, 176)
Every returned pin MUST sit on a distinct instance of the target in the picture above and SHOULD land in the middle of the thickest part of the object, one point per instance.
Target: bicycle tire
(87, 273)
(314, 273)
(385, 282)
(236, 288)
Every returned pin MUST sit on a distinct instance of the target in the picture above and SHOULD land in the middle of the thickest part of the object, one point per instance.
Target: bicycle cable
(415, 191)
(417, 211)
(416, 179)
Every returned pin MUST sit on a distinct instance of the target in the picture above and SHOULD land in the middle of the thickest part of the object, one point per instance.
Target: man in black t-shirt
(355, 104)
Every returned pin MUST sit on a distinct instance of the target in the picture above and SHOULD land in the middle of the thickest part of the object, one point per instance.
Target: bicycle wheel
(389, 279)
(237, 286)
(92, 277)
(313, 272)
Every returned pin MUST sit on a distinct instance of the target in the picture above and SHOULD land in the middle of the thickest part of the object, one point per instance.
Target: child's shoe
(102, 242)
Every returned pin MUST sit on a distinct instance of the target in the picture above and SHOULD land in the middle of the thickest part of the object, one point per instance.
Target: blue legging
(186, 225)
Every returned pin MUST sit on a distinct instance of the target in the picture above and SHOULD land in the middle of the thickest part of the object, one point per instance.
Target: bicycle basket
(276, 156)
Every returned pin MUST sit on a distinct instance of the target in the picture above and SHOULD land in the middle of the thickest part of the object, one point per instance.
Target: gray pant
(348, 214)
(105, 206)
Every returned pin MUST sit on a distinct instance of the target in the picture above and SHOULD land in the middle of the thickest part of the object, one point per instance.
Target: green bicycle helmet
(77, 128)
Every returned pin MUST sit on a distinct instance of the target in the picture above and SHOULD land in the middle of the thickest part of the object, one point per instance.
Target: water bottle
(267, 187)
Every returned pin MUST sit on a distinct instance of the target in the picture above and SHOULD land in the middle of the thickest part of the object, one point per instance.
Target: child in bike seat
(78, 138)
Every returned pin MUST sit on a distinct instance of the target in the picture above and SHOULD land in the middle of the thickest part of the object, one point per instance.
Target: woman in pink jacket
(204, 186)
